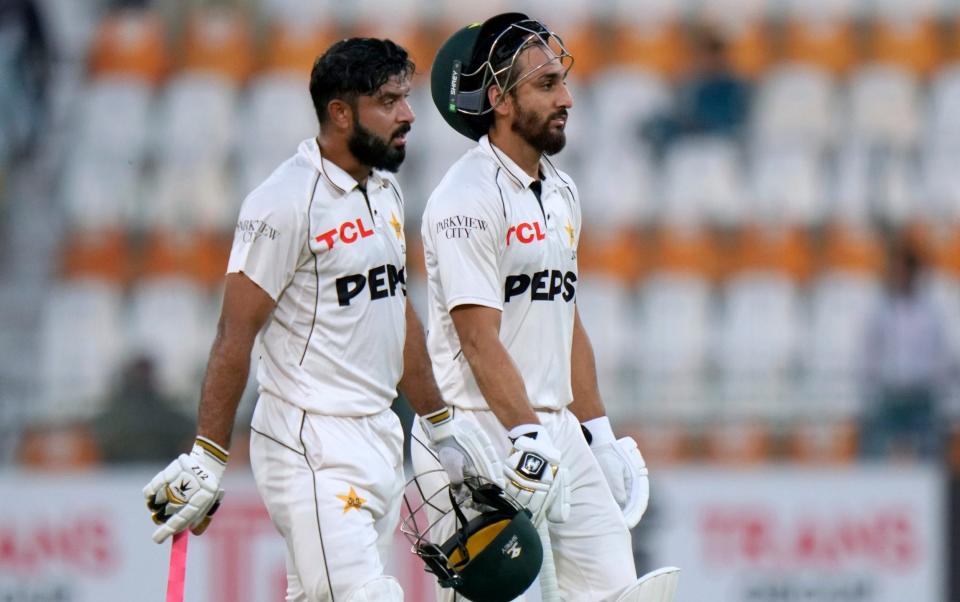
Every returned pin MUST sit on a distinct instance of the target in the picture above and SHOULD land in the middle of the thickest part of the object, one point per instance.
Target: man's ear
(497, 100)
(340, 113)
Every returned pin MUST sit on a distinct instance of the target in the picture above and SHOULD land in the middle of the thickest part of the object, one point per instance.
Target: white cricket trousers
(592, 549)
(333, 487)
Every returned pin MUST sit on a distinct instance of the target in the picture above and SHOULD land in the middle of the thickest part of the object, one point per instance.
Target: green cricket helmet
(492, 557)
(481, 55)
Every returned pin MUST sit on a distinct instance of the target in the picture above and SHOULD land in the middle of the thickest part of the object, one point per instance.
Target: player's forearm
(499, 381)
(418, 384)
(224, 383)
(587, 403)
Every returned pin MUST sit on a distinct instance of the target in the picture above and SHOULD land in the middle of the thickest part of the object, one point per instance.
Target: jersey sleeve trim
(468, 300)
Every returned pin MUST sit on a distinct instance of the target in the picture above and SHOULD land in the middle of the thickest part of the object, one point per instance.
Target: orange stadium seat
(830, 44)
(59, 448)
(781, 250)
(291, 47)
(661, 48)
(822, 443)
(201, 256)
(218, 41)
(102, 255)
(130, 43)
(208, 254)
(938, 245)
(420, 41)
(914, 45)
(681, 250)
(749, 49)
(618, 253)
(588, 45)
(746, 442)
(661, 444)
(163, 255)
(853, 250)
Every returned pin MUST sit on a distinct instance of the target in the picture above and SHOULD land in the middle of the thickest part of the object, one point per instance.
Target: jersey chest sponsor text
(348, 233)
(543, 285)
(381, 282)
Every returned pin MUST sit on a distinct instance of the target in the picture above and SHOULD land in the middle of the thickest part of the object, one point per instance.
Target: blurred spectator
(25, 71)
(906, 366)
(712, 99)
(139, 424)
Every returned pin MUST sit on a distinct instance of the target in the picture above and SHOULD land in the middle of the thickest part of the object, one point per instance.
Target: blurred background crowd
(770, 255)
(771, 194)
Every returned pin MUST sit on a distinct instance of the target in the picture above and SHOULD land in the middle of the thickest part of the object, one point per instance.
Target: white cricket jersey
(488, 241)
(332, 257)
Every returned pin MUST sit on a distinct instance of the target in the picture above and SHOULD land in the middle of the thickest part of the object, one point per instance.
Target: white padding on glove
(463, 448)
(626, 474)
(187, 492)
(534, 476)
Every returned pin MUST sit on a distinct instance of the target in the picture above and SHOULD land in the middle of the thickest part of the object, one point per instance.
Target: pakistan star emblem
(569, 230)
(397, 228)
(351, 501)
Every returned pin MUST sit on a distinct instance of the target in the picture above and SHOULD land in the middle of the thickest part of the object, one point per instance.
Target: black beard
(370, 149)
(537, 133)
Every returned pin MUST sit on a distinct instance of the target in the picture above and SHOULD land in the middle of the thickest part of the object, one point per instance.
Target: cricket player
(317, 269)
(510, 353)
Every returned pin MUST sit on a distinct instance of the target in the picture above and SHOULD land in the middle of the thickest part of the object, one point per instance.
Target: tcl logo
(348, 232)
(543, 286)
(382, 282)
(525, 233)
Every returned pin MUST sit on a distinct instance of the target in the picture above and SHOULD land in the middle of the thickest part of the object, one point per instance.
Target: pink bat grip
(176, 578)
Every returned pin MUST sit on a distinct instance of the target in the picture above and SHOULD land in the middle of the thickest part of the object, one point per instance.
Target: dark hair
(355, 67)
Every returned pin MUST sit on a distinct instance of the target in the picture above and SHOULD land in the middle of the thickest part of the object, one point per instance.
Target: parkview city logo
(251, 230)
(460, 226)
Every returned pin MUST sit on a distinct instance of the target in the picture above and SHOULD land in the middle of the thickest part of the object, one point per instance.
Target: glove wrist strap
(438, 424)
(600, 430)
(526, 430)
(211, 454)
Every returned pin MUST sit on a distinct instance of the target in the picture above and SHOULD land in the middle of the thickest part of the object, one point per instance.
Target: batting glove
(623, 468)
(187, 492)
(463, 448)
(534, 476)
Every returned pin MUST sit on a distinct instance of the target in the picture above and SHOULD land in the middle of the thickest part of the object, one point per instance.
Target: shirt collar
(521, 178)
(333, 173)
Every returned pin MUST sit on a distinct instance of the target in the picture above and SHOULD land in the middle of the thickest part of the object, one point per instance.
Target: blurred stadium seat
(132, 44)
(795, 104)
(81, 345)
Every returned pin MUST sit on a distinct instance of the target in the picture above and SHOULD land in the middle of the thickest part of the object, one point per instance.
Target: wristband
(598, 431)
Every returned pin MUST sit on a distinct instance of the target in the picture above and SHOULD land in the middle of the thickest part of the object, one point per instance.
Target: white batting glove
(623, 468)
(186, 493)
(534, 476)
(463, 448)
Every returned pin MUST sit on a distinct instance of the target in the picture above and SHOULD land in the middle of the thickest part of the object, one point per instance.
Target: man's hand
(463, 448)
(187, 492)
(534, 476)
(623, 468)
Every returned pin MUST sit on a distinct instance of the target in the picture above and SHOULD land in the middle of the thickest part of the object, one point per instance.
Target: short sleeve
(466, 236)
(267, 242)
